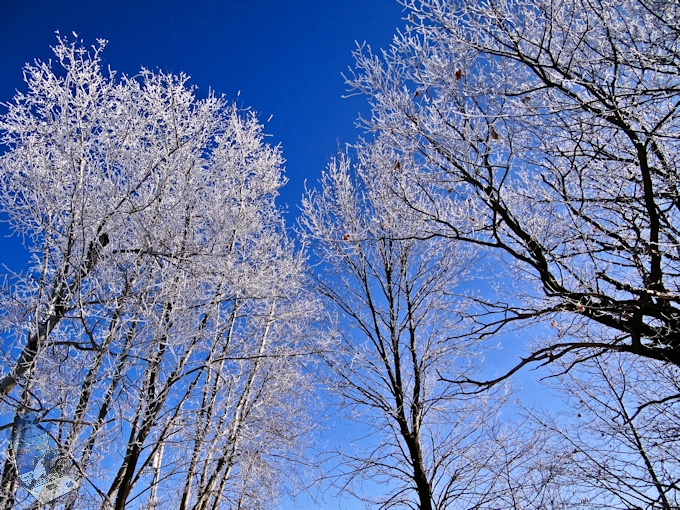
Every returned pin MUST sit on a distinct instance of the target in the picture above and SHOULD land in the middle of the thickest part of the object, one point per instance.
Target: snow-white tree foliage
(160, 323)
(547, 132)
(391, 302)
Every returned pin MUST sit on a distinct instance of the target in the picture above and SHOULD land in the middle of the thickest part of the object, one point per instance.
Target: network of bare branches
(546, 132)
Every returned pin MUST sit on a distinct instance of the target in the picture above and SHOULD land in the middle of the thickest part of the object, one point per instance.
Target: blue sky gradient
(285, 58)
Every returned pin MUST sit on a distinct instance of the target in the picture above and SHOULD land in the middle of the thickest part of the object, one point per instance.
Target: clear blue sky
(285, 57)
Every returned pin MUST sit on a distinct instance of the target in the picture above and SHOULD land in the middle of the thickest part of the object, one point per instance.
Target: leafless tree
(617, 437)
(545, 131)
(392, 305)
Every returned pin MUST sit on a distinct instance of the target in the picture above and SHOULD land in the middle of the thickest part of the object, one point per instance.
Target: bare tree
(545, 131)
(397, 319)
(161, 323)
(617, 437)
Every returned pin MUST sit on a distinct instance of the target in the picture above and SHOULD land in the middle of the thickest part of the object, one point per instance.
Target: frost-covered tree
(392, 308)
(159, 325)
(545, 131)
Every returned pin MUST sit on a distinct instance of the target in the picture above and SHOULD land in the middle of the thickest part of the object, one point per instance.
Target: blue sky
(285, 58)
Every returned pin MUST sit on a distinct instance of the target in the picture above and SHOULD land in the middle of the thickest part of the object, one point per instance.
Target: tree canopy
(545, 131)
(160, 322)
(168, 336)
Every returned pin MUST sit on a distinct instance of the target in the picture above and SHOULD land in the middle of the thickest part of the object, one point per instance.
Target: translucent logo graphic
(41, 465)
